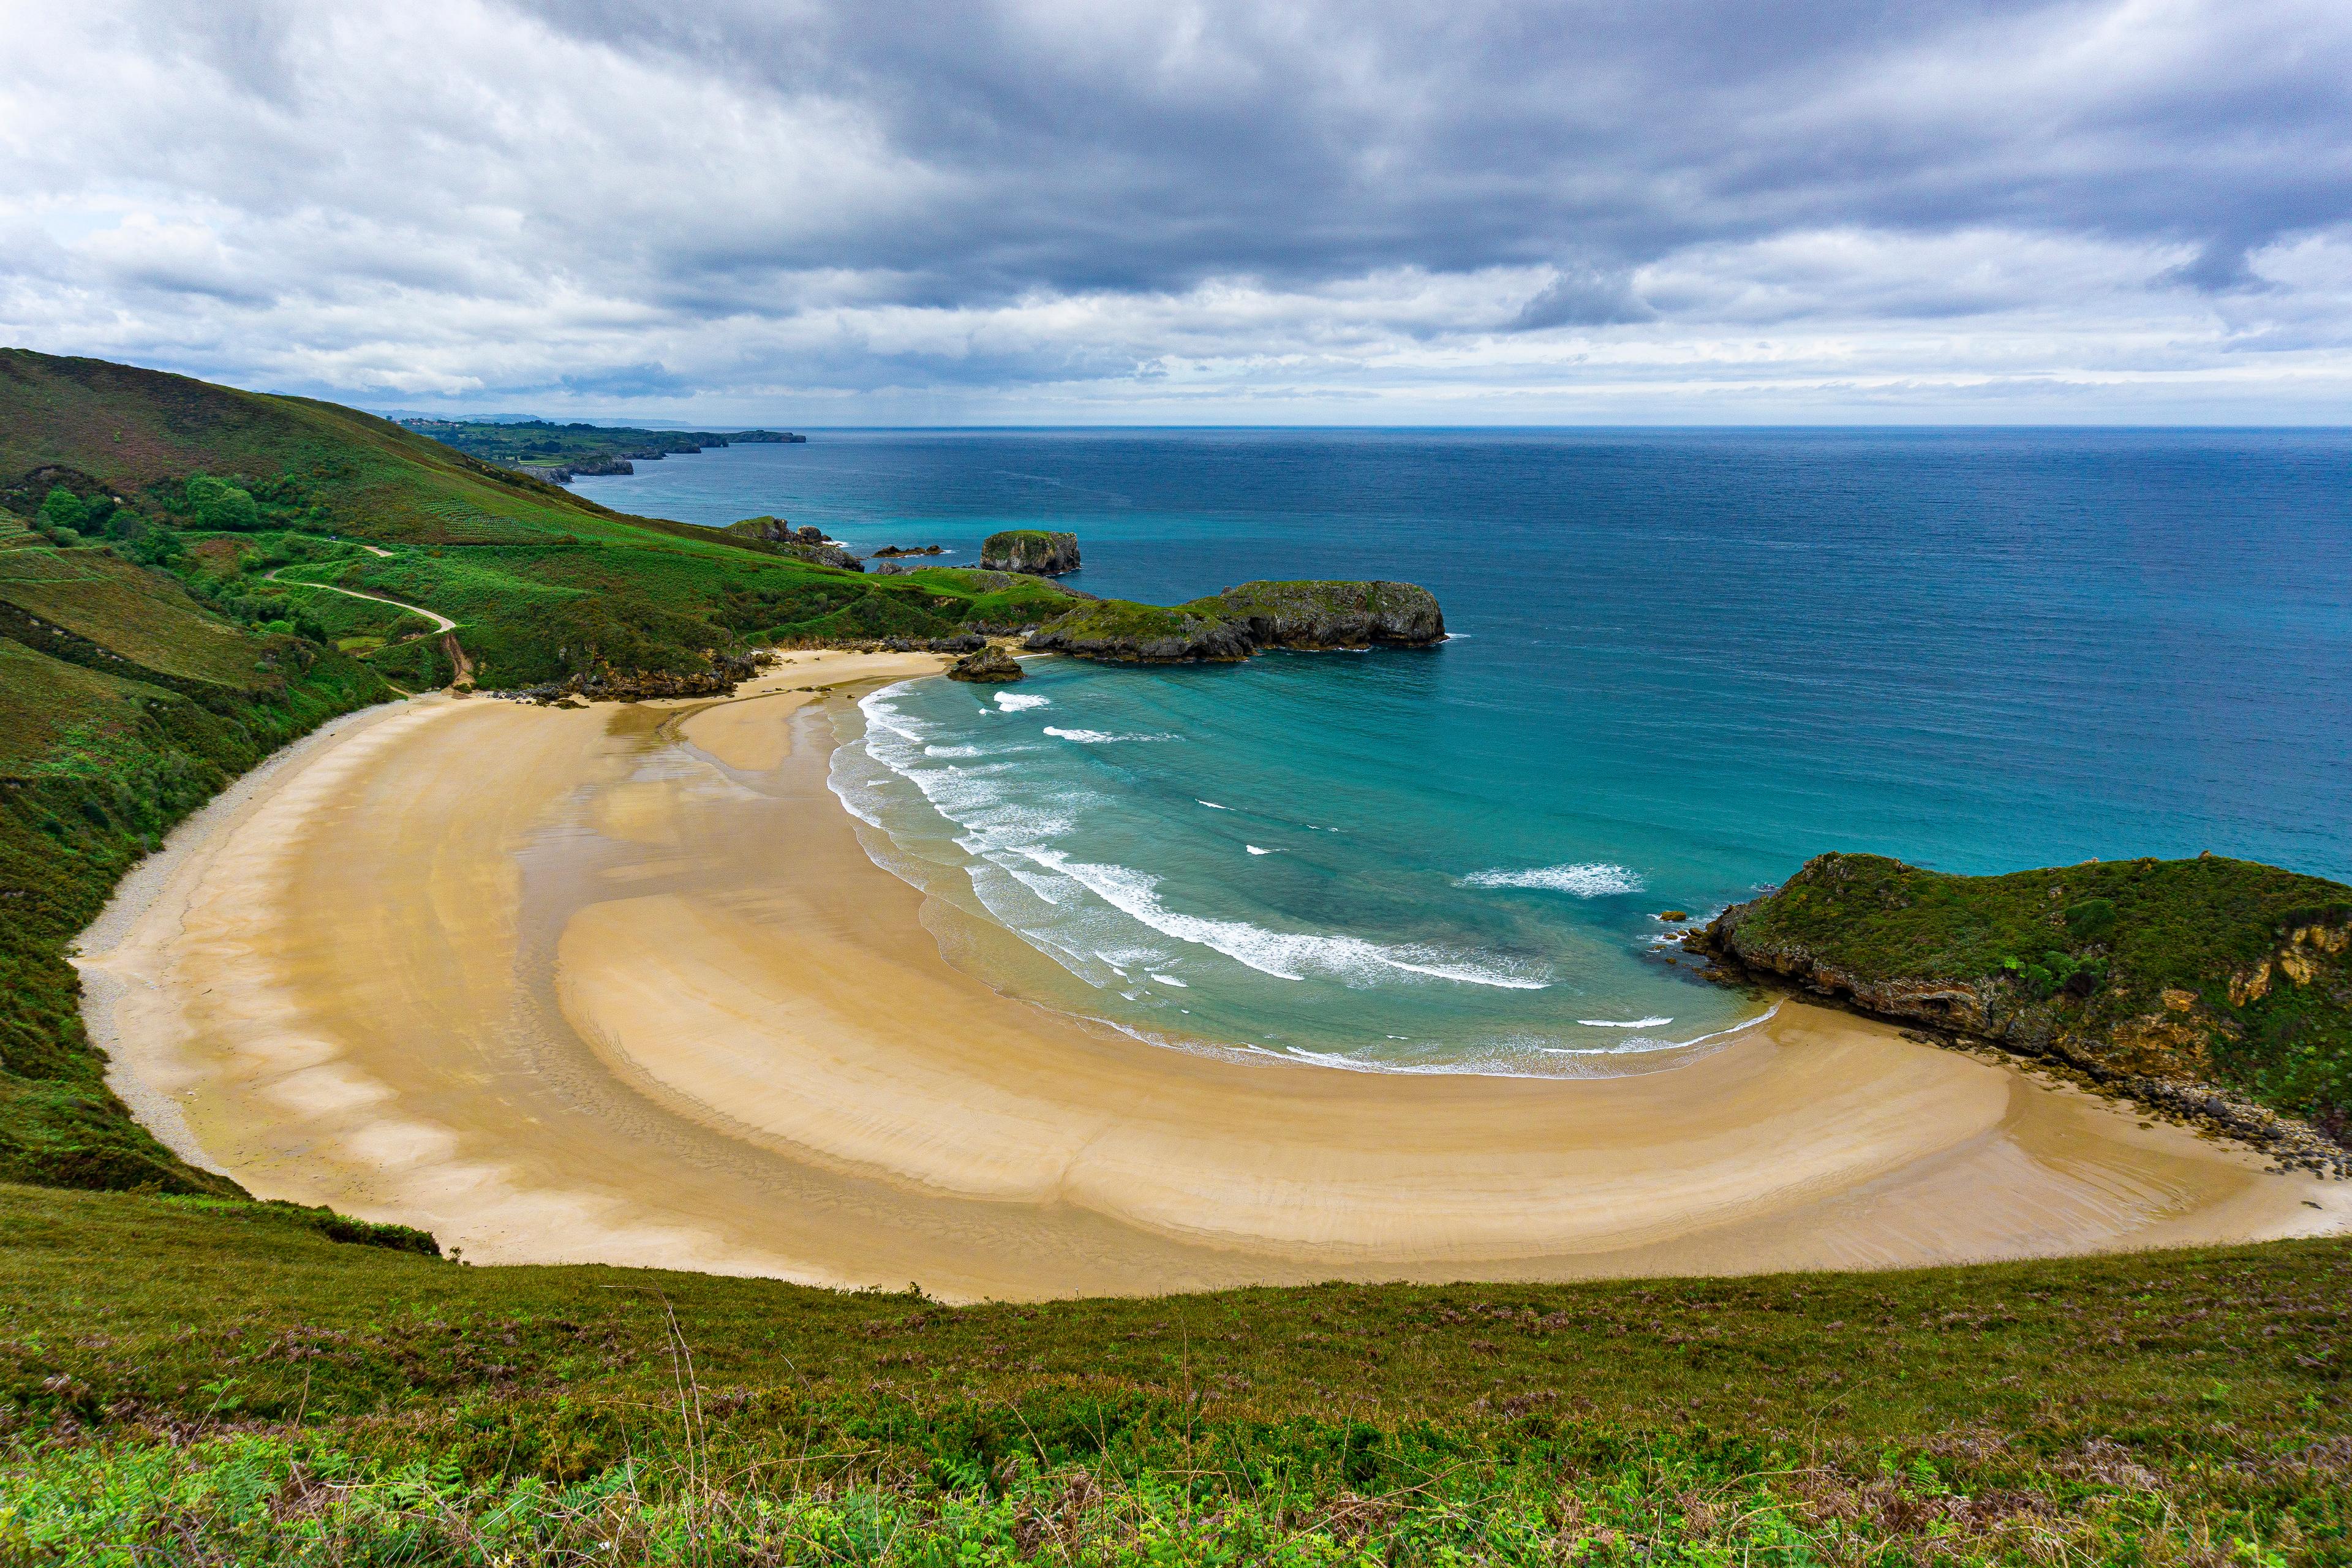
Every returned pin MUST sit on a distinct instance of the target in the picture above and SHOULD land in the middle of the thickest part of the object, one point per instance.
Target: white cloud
(1047, 210)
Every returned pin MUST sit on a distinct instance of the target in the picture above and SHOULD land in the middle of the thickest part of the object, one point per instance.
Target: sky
(1053, 212)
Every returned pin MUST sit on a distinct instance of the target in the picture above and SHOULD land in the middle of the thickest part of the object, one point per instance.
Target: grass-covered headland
(190, 1382)
(2162, 977)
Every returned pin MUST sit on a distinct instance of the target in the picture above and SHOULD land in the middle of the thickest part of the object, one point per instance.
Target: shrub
(220, 505)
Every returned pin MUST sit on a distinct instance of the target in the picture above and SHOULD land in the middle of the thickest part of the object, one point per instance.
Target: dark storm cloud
(1086, 149)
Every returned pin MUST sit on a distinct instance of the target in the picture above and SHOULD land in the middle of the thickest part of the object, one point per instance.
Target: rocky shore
(804, 542)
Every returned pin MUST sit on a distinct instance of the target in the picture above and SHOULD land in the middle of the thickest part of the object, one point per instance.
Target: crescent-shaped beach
(621, 984)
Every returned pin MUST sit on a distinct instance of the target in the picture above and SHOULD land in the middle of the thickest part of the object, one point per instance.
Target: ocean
(1682, 662)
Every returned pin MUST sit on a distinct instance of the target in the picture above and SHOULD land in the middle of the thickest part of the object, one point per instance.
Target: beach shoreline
(622, 985)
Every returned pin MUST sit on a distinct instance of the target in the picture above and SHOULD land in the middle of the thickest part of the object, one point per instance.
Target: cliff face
(2169, 979)
(1030, 550)
(1241, 621)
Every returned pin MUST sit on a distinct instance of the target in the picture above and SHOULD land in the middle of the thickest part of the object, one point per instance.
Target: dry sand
(621, 985)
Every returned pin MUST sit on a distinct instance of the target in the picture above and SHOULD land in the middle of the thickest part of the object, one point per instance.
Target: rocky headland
(2214, 989)
(1243, 621)
(803, 543)
(1033, 550)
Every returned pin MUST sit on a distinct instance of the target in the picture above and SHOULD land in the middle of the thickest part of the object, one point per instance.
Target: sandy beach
(620, 984)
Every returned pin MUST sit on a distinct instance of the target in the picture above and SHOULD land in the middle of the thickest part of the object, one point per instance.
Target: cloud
(1050, 208)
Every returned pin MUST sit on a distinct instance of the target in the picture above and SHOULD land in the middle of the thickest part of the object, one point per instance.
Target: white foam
(1589, 879)
(1019, 702)
(1285, 955)
(952, 751)
(1102, 737)
(1623, 1023)
(1256, 850)
(1171, 980)
(1213, 805)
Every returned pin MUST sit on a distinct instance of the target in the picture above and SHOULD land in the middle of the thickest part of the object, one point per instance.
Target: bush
(219, 505)
(63, 508)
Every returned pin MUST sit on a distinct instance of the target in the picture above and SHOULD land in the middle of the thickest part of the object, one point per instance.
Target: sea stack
(990, 663)
(1030, 550)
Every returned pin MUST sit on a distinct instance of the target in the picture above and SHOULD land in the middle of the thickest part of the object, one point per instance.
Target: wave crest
(1586, 879)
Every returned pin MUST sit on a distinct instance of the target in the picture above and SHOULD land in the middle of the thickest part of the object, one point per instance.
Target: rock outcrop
(990, 663)
(1030, 550)
(606, 684)
(803, 543)
(1243, 621)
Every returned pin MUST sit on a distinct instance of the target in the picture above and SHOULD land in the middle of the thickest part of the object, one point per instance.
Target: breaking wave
(1589, 879)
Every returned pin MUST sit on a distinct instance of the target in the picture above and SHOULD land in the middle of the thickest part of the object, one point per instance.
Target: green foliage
(221, 1381)
(217, 505)
(63, 508)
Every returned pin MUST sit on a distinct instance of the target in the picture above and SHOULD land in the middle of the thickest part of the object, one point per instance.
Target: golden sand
(620, 984)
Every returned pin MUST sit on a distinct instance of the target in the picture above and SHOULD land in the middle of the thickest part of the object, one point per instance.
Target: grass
(224, 1381)
(2204, 970)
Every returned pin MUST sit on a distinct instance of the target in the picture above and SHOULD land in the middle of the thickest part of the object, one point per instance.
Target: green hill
(543, 584)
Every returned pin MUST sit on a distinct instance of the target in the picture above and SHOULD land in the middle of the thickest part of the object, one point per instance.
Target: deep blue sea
(1683, 661)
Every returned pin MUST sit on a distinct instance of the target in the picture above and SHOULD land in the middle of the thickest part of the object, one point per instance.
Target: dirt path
(441, 623)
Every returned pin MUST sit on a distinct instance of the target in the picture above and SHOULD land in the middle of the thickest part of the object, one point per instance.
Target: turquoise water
(1684, 661)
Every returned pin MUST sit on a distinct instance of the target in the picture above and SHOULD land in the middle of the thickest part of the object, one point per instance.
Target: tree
(219, 505)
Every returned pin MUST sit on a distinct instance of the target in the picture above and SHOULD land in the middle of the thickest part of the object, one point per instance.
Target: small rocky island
(2213, 988)
(989, 664)
(1033, 550)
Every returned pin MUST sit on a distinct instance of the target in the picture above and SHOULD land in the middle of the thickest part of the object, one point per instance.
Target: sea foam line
(1285, 955)
(1587, 879)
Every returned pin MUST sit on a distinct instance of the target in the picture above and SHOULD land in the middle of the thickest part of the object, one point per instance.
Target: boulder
(990, 663)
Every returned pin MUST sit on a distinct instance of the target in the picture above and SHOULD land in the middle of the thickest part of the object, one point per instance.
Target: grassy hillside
(543, 582)
(124, 702)
(239, 1388)
(2209, 970)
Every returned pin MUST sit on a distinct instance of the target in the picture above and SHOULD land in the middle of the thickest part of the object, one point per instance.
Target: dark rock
(803, 543)
(991, 663)
(1033, 551)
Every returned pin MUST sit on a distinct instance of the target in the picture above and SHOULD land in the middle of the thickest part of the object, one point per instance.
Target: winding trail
(441, 623)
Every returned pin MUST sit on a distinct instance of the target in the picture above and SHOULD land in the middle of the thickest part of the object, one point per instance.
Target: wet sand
(621, 984)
